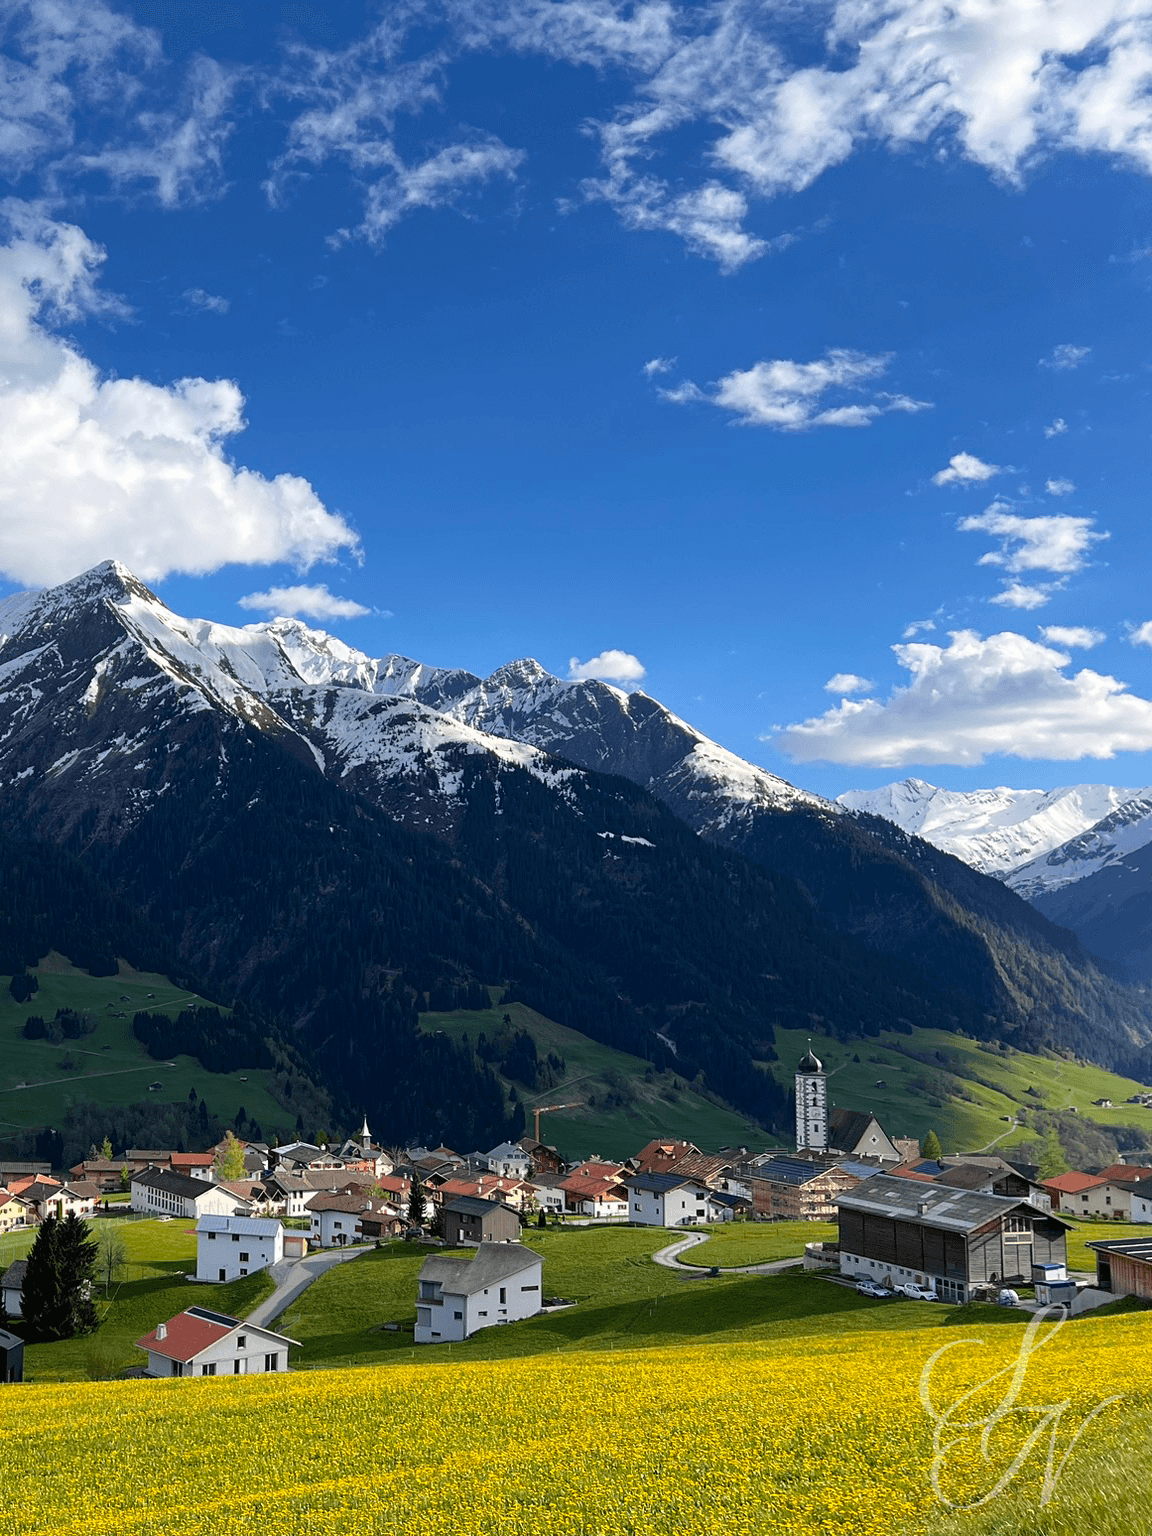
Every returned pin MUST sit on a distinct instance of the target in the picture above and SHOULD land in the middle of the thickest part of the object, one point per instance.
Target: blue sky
(748, 341)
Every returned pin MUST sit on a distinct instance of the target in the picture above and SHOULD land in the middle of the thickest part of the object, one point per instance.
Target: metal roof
(473, 1205)
(1139, 1248)
(493, 1262)
(954, 1210)
(246, 1226)
(794, 1170)
(659, 1183)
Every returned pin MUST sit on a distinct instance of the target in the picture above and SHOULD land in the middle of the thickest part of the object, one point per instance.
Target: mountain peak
(525, 673)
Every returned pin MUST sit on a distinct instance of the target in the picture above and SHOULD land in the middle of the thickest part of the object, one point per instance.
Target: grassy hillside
(966, 1091)
(39, 1080)
(152, 1288)
(624, 1102)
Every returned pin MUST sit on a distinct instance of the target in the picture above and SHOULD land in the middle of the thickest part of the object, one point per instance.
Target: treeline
(513, 1052)
(66, 1025)
(188, 1126)
(220, 1042)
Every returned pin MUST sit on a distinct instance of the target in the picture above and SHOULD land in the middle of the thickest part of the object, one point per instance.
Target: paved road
(669, 1258)
(294, 1276)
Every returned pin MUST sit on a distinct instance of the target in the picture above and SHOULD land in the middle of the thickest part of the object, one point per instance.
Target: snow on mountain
(1105, 845)
(997, 831)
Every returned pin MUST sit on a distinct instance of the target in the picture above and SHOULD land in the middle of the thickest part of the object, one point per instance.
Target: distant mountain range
(338, 840)
(1082, 854)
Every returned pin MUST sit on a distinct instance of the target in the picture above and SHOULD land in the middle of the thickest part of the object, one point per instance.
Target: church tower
(811, 1104)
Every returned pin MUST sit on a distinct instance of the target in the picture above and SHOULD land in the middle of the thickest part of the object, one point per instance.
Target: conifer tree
(416, 1203)
(930, 1147)
(56, 1299)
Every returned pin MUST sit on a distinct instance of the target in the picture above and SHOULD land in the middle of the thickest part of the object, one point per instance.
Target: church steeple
(811, 1103)
(365, 1135)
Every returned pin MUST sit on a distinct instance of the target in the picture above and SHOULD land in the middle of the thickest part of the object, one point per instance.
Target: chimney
(923, 1207)
(161, 1331)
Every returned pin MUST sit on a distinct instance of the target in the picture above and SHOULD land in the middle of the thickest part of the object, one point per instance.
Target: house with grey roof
(860, 1134)
(229, 1247)
(12, 1286)
(470, 1219)
(895, 1231)
(669, 1200)
(457, 1297)
(160, 1192)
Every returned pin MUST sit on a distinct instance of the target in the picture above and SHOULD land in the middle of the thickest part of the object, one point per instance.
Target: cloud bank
(92, 467)
(975, 698)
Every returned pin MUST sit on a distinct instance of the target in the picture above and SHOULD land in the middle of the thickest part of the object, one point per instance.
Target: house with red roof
(202, 1343)
(1072, 1192)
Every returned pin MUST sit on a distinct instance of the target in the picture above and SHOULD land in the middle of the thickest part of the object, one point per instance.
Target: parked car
(917, 1292)
(870, 1288)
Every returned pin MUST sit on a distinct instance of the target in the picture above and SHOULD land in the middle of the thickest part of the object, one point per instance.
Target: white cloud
(658, 365)
(1017, 594)
(976, 697)
(845, 683)
(93, 467)
(1073, 637)
(303, 601)
(1059, 487)
(212, 303)
(788, 396)
(1142, 634)
(1056, 427)
(437, 182)
(1056, 543)
(1065, 356)
(614, 666)
(918, 627)
(966, 469)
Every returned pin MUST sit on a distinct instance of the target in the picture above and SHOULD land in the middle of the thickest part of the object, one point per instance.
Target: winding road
(293, 1277)
(669, 1257)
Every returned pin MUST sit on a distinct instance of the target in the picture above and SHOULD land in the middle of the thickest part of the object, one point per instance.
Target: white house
(1141, 1203)
(203, 1343)
(228, 1247)
(336, 1218)
(509, 1161)
(548, 1192)
(159, 1192)
(663, 1200)
(457, 1297)
(12, 1286)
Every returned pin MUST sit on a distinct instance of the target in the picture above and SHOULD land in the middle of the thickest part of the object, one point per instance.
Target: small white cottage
(457, 1297)
(228, 1247)
(203, 1343)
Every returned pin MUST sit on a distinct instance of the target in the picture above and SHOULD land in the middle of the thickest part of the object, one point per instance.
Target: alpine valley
(332, 843)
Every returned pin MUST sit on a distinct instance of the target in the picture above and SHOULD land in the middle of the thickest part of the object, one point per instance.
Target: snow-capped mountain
(1000, 831)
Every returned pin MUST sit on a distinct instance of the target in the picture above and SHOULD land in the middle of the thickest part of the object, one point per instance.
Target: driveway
(669, 1258)
(294, 1276)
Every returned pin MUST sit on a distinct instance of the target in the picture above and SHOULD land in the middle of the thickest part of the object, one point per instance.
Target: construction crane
(547, 1109)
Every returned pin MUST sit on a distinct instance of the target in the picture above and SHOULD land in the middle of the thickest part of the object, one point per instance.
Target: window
(211, 1237)
(208, 1370)
(503, 1295)
(236, 1367)
(481, 1314)
(459, 1316)
(235, 1237)
(271, 1362)
(243, 1258)
(529, 1287)
(241, 1341)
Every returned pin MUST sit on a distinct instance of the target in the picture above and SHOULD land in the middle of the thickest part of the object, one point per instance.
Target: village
(951, 1228)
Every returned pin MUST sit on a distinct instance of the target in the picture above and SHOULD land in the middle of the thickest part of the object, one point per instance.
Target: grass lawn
(660, 1105)
(1080, 1256)
(39, 1080)
(153, 1289)
(624, 1302)
(734, 1243)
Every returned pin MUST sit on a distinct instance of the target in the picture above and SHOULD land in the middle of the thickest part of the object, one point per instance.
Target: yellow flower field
(823, 1434)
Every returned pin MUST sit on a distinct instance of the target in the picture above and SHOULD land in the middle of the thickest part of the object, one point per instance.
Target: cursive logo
(952, 1429)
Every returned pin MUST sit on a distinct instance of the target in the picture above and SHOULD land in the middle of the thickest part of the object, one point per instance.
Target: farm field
(720, 1438)
(903, 1106)
(151, 1290)
(595, 1073)
(109, 1066)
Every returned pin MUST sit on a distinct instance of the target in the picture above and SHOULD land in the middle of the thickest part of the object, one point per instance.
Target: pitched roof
(953, 1210)
(247, 1226)
(493, 1262)
(701, 1165)
(473, 1205)
(189, 1333)
(14, 1275)
(170, 1183)
(1127, 1173)
(794, 1170)
(1073, 1183)
(192, 1160)
(658, 1183)
(658, 1156)
(351, 1205)
(848, 1127)
(595, 1186)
